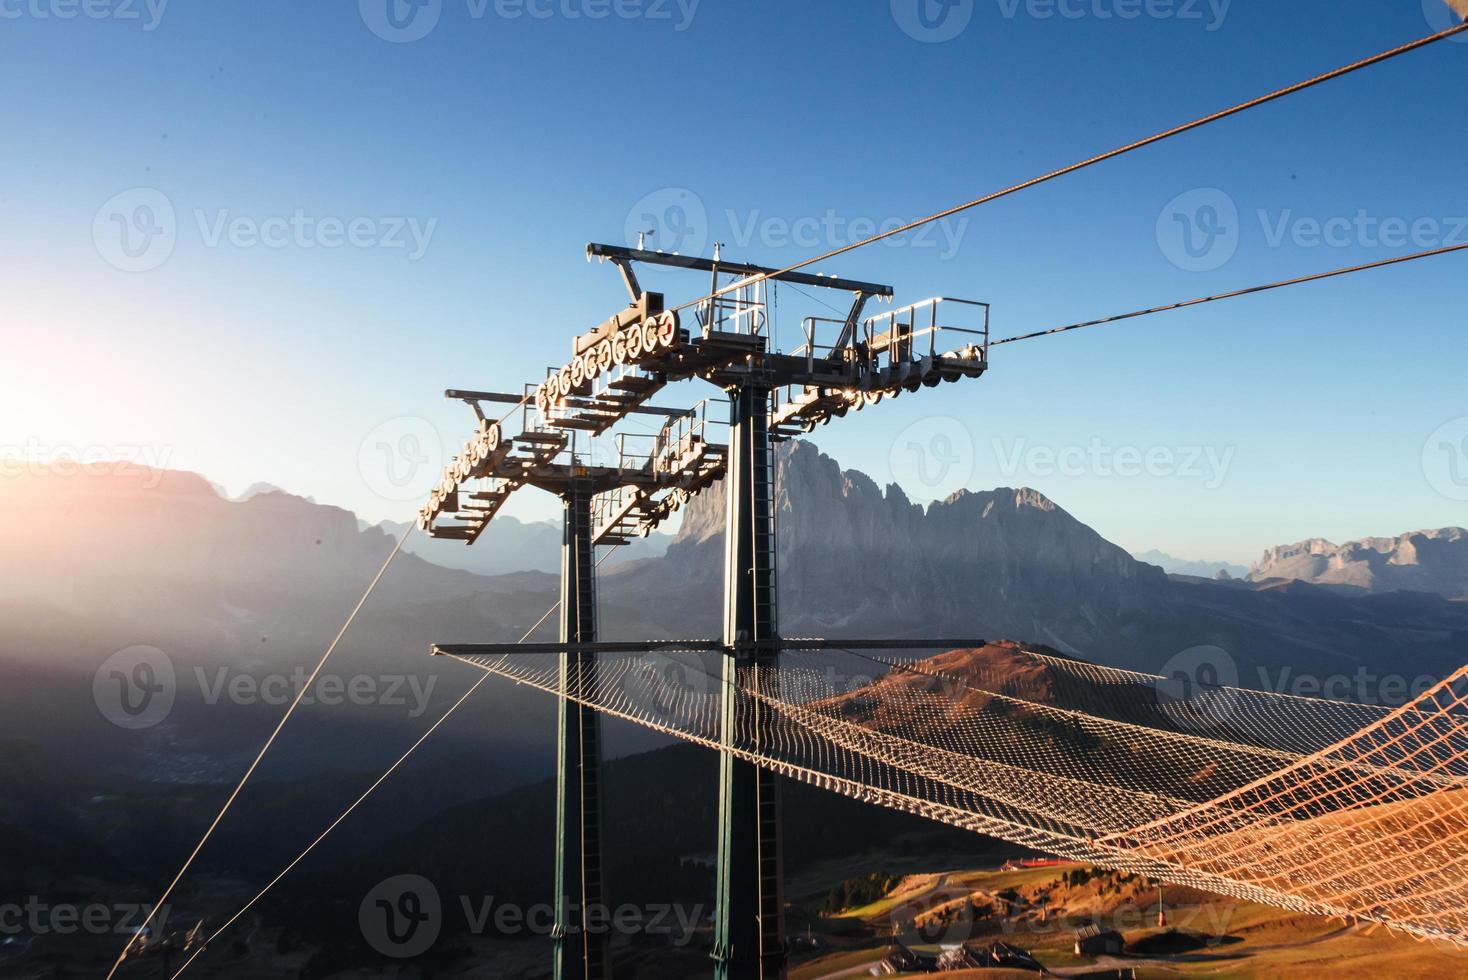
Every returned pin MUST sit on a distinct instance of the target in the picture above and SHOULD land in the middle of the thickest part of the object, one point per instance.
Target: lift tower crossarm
(620, 254)
(505, 398)
(805, 644)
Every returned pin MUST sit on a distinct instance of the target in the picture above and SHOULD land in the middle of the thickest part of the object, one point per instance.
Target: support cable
(369, 791)
(1092, 161)
(1316, 277)
(1045, 178)
(1064, 171)
(295, 703)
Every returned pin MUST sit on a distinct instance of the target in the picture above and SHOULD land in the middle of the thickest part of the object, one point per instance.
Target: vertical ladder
(767, 592)
(578, 951)
(749, 928)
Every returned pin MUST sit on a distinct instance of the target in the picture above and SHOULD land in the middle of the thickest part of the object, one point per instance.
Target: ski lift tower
(613, 372)
(775, 396)
(599, 496)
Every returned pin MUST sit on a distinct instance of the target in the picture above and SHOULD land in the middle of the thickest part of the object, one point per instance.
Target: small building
(1092, 940)
(901, 959)
(1001, 955)
(956, 958)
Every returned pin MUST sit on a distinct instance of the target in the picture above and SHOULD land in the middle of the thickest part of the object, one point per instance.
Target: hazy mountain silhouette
(1183, 566)
(1421, 561)
(856, 560)
(510, 545)
(99, 561)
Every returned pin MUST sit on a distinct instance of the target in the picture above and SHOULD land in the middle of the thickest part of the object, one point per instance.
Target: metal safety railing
(685, 437)
(900, 333)
(742, 311)
(811, 350)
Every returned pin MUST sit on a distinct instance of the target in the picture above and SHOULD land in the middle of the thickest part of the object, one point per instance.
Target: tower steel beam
(620, 254)
(505, 398)
(580, 951)
(804, 644)
(749, 928)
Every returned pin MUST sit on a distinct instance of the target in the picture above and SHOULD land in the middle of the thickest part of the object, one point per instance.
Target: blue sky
(358, 223)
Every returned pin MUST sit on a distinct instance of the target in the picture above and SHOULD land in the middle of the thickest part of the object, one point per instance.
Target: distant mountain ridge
(855, 556)
(1183, 566)
(98, 562)
(1433, 561)
(859, 560)
(511, 545)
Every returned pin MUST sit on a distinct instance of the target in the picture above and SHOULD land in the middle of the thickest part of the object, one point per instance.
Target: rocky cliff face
(859, 560)
(141, 544)
(1003, 562)
(1421, 561)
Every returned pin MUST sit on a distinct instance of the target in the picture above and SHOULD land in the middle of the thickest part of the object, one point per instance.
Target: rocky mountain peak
(1434, 560)
(989, 558)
